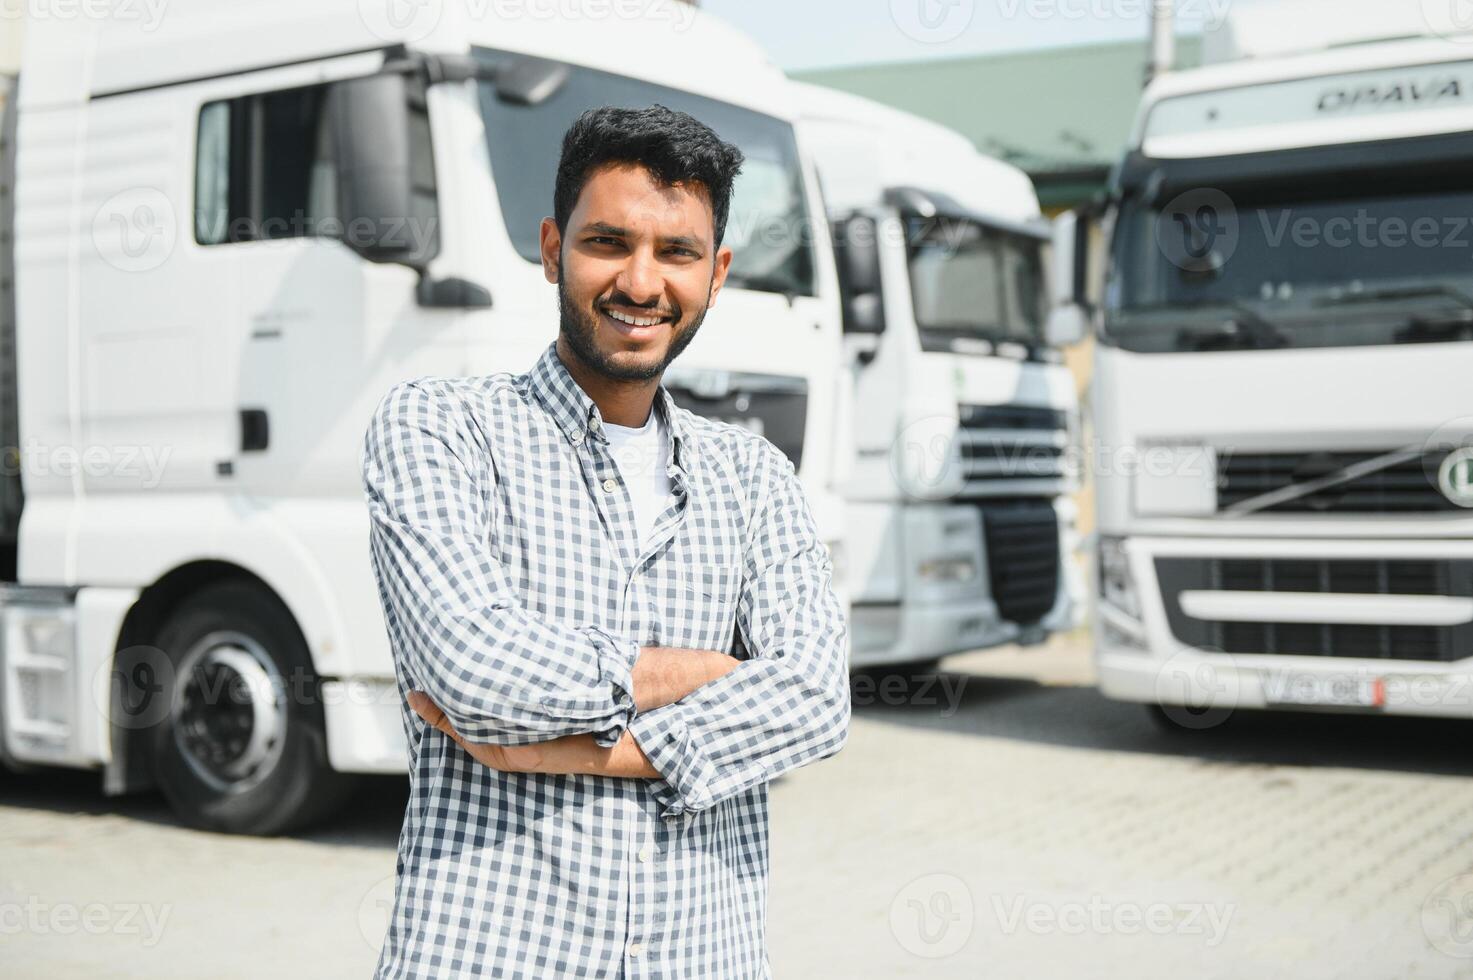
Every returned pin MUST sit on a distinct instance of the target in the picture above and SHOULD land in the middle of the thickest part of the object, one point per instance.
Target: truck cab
(233, 232)
(960, 526)
(1279, 280)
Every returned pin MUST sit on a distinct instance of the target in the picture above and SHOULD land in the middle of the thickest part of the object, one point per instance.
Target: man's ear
(718, 274)
(551, 247)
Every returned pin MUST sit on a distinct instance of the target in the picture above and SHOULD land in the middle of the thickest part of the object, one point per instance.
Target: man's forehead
(629, 196)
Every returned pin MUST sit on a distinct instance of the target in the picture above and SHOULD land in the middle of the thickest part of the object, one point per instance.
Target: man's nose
(640, 278)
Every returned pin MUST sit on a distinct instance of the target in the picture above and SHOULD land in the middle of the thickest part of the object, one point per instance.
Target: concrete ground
(998, 820)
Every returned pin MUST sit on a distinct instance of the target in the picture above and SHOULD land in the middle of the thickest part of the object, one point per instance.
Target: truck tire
(242, 747)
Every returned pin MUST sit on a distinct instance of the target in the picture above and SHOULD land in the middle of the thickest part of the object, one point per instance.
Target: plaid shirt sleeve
(501, 674)
(788, 704)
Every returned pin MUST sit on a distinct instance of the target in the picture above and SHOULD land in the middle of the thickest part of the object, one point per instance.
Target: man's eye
(604, 240)
(684, 251)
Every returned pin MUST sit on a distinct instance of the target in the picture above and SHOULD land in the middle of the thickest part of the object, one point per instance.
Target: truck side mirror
(1068, 318)
(386, 189)
(857, 254)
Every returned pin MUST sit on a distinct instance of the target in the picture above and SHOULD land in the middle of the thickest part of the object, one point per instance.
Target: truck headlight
(1119, 605)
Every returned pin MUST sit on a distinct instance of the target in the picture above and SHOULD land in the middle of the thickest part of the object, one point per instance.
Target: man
(613, 620)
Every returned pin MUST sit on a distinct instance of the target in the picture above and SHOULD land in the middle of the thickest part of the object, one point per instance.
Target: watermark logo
(401, 20)
(933, 21)
(1209, 13)
(933, 916)
(146, 14)
(1450, 19)
(1102, 917)
(140, 465)
(926, 458)
(1195, 692)
(375, 912)
(135, 689)
(414, 20)
(899, 687)
(135, 230)
(1447, 917)
(40, 918)
(1198, 230)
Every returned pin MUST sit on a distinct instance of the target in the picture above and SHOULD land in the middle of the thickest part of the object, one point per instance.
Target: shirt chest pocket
(704, 613)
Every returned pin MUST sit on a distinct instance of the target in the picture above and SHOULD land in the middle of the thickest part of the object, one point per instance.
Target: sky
(801, 34)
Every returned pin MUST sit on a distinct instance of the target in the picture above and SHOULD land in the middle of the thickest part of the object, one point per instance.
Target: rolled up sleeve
(460, 633)
(788, 704)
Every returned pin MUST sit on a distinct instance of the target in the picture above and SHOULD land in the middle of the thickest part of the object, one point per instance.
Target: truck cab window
(967, 279)
(264, 169)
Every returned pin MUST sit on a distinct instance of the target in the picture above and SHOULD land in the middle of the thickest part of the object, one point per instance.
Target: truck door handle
(255, 432)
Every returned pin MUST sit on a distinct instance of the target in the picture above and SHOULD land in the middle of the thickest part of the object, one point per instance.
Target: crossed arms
(662, 675)
(522, 692)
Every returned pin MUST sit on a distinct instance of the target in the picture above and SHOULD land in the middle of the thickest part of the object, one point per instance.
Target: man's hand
(664, 675)
(569, 754)
(507, 758)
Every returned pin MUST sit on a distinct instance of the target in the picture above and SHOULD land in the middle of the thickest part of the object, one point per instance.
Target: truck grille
(1367, 577)
(1012, 450)
(1022, 539)
(1408, 487)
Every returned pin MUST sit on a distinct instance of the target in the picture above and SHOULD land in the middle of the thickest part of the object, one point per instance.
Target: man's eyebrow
(604, 228)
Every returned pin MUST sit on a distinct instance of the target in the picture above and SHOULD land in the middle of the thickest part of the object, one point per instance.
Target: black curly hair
(674, 146)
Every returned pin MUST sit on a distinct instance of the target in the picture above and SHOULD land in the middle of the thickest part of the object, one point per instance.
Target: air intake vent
(1022, 539)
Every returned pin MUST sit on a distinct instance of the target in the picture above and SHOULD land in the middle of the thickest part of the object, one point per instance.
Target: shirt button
(635, 949)
(609, 486)
(593, 422)
(645, 853)
(577, 438)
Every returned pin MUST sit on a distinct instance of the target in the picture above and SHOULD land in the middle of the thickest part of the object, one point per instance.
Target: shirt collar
(578, 416)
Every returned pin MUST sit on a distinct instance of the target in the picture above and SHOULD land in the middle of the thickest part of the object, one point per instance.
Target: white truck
(225, 234)
(959, 520)
(1279, 275)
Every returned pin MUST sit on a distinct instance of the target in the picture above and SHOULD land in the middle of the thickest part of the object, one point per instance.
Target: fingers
(489, 755)
(431, 713)
(425, 708)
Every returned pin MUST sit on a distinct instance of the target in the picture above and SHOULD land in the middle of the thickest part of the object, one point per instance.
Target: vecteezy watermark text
(93, 918)
(1099, 916)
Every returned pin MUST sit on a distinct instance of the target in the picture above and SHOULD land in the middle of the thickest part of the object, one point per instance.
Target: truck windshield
(1374, 262)
(969, 280)
(767, 226)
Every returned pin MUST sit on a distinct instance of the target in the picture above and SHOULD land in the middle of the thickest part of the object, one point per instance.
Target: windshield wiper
(1436, 329)
(1243, 329)
(990, 333)
(1351, 297)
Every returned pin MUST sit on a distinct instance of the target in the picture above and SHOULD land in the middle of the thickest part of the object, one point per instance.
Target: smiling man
(613, 620)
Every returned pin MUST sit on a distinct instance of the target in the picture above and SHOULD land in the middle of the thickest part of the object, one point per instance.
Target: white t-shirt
(642, 459)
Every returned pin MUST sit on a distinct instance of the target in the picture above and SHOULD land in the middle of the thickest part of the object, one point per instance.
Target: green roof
(1062, 114)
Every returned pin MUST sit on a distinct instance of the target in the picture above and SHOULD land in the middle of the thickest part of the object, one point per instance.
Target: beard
(579, 327)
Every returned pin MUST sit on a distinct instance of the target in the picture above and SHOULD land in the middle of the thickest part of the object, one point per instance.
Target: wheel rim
(228, 712)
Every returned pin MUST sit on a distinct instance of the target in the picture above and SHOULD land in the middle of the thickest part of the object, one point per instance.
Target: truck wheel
(242, 747)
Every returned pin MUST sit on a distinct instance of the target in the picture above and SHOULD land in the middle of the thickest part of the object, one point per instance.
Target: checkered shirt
(517, 595)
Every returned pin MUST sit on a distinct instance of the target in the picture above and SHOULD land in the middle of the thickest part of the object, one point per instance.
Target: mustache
(618, 298)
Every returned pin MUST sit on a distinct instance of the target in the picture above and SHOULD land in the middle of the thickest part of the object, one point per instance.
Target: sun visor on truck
(1441, 157)
(931, 204)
